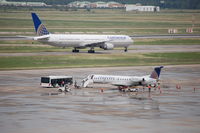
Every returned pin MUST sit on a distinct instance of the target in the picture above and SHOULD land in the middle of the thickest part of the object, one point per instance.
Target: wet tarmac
(25, 107)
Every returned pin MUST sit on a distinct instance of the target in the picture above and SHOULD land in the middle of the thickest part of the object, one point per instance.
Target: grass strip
(98, 60)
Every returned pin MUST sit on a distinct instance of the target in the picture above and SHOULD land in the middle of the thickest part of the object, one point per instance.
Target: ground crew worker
(75, 84)
(102, 90)
(143, 88)
(159, 88)
(178, 86)
(149, 87)
(62, 83)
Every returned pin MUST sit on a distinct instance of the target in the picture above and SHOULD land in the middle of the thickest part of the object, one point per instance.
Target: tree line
(171, 4)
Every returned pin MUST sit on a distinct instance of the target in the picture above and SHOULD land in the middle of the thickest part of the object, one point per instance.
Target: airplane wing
(94, 43)
(133, 83)
(124, 85)
(165, 36)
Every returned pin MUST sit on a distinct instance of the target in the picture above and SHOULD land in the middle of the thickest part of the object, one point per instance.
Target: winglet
(156, 73)
(40, 29)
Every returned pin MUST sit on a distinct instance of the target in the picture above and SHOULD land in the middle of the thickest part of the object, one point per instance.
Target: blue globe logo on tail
(40, 29)
(156, 73)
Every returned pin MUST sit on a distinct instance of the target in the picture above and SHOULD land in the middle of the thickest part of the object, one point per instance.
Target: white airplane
(124, 81)
(106, 42)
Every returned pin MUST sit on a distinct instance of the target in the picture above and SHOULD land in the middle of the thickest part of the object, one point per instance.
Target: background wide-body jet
(79, 41)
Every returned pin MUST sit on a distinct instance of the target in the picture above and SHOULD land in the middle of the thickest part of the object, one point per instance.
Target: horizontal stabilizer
(45, 37)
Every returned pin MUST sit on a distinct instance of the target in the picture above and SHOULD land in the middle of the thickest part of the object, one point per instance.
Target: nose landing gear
(75, 50)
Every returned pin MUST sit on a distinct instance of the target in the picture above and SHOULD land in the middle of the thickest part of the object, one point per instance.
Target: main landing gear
(125, 50)
(75, 50)
(91, 50)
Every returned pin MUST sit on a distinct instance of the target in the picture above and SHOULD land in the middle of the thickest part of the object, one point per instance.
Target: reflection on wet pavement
(30, 110)
(92, 111)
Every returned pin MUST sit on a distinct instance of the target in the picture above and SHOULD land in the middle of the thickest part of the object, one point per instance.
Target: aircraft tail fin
(156, 72)
(40, 29)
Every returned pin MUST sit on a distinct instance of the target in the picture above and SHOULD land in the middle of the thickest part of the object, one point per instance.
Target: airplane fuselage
(124, 81)
(83, 40)
(120, 80)
(110, 79)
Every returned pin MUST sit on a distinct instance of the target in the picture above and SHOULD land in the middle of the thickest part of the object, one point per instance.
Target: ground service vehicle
(53, 81)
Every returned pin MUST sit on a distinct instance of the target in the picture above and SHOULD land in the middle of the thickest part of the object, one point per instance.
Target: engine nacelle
(149, 81)
(107, 46)
(143, 82)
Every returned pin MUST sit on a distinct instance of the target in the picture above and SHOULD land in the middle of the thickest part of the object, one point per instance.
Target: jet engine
(107, 46)
(143, 82)
(148, 81)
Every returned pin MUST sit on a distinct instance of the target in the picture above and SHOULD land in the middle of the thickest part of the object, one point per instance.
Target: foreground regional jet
(106, 42)
(124, 81)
